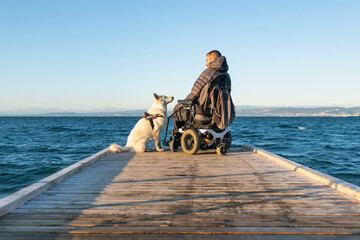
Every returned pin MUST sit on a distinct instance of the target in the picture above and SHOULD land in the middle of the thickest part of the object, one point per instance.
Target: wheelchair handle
(185, 102)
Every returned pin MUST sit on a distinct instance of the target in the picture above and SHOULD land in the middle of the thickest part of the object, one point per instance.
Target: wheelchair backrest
(216, 101)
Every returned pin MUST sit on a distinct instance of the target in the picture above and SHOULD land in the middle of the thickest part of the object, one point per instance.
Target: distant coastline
(300, 112)
(241, 111)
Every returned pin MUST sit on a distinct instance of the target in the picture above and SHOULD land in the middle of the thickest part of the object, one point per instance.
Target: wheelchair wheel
(221, 149)
(174, 145)
(190, 141)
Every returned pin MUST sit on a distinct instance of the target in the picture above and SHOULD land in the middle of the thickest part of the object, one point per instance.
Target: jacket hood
(219, 64)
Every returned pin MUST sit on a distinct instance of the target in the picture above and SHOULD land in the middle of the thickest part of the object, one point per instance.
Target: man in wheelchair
(201, 119)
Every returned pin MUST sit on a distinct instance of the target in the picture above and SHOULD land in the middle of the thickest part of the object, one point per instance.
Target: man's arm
(202, 80)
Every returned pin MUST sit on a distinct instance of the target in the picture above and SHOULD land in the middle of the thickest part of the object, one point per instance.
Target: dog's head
(163, 100)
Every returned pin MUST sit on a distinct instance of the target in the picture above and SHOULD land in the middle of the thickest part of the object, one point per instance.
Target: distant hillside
(300, 112)
(57, 113)
(124, 113)
(241, 111)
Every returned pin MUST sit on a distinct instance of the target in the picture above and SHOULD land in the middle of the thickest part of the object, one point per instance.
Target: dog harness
(151, 118)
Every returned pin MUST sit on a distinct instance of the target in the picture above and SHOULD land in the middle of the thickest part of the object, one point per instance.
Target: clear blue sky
(84, 54)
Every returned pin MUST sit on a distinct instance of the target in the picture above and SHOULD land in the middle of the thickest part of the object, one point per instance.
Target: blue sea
(32, 148)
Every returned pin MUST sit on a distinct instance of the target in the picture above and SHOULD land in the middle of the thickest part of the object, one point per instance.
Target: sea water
(32, 148)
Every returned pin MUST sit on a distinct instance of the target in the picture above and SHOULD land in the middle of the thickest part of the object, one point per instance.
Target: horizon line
(121, 109)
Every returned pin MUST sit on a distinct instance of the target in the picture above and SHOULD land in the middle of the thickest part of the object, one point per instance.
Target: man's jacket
(216, 68)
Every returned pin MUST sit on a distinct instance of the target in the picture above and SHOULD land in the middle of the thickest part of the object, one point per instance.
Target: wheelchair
(194, 131)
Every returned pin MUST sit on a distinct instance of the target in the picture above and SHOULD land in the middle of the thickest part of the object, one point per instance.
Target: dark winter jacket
(216, 68)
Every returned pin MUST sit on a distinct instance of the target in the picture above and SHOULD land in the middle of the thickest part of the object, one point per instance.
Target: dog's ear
(156, 96)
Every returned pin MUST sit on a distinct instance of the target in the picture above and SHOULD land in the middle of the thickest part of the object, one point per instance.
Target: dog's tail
(117, 148)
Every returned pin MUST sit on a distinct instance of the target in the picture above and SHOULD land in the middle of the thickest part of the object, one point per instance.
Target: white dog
(147, 128)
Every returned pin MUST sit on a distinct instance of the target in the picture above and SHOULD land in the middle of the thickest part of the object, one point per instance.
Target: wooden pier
(248, 194)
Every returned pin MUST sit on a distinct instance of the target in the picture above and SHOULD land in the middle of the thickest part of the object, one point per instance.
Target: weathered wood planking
(173, 195)
(11, 202)
(338, 184)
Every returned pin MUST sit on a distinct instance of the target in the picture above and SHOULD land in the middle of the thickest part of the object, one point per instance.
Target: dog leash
(151, 118)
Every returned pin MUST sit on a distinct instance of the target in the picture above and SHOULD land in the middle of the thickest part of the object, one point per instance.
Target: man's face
(209, 60)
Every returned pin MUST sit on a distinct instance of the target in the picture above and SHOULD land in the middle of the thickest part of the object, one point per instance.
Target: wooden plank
(181, 230)
(178, 223)
(195, 207)
(9, 203)
(330, 181)
(187, 210)
(32, 236)
(336, 219)
(278, 201)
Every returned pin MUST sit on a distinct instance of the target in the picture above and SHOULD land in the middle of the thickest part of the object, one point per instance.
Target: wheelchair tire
(174, 145)
(190, 141)
(221, 149)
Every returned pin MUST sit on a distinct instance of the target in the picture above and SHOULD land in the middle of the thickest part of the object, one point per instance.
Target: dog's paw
(160, 150)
